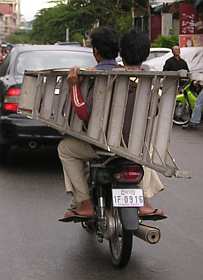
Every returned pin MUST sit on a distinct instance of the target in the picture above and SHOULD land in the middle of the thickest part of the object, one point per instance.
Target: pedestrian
(197, 113)
(175, 63)
(4, 50)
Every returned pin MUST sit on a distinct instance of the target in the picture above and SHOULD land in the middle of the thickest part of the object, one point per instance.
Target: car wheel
(4, 149)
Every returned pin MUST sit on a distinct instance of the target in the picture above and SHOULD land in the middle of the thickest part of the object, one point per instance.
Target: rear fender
(128, 215)
(129, 218)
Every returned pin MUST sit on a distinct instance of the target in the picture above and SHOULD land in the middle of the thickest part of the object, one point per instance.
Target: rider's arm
(78, 102)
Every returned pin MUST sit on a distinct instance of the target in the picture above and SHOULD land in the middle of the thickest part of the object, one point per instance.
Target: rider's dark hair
(134, 47)
(105, 40)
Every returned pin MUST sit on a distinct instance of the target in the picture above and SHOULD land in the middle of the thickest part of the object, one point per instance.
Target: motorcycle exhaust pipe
(149, 234)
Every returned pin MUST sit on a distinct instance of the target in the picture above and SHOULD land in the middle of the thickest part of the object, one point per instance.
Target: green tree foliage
(166, 41)
(20, 37)
(50, 25)
(80, 16)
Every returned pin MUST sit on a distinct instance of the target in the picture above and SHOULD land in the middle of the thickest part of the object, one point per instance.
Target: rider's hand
(73, 76)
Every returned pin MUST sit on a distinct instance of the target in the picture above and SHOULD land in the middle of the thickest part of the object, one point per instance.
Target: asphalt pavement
(35, 246)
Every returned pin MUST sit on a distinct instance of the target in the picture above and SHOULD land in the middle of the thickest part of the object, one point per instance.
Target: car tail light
(10, 103)
(13, 91)
(130, 174)
(12, 107)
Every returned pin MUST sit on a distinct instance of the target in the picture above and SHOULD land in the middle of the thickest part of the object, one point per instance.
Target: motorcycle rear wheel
(120, 243)
(182, 113)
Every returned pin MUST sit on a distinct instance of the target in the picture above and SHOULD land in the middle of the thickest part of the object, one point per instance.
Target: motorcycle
(113, 184)
(185, 102)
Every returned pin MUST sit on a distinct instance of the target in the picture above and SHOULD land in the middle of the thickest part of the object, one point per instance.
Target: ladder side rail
(117, 112)
(107, 104)
(26, 103)
(152, 119)
(140, 115)
(40, 88)
(47, 100)
(55, 109)
(64, 105)
(95, 124)
(165, 119)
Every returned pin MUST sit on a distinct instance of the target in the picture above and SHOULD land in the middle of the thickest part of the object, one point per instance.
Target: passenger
(134, 50)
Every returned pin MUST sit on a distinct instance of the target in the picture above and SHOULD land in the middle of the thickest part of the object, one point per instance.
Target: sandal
(156, 214)
(73, 215)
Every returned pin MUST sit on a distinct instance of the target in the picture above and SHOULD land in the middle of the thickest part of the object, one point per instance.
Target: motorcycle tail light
(130, 174)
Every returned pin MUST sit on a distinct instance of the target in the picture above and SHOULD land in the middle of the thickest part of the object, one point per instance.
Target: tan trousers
(73, 153)
(151, 183)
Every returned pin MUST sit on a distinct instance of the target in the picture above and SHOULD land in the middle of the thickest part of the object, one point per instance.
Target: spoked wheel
(182, 113)
(120, 243)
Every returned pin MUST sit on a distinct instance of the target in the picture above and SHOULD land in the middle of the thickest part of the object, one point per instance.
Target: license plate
(128, 197)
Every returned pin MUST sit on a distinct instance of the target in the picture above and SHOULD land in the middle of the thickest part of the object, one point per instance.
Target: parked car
(68, 43)
(157, 52)
(154, 53)
(14, 128)
(193, 56)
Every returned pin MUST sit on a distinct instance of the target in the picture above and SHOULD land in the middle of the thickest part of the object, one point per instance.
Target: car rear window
(42, 60)
(156, 54)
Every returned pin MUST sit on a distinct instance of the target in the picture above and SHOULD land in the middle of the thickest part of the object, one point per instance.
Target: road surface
(35, 246)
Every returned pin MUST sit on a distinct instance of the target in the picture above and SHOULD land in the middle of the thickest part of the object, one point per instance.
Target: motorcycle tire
(120, 244)
(182, 113)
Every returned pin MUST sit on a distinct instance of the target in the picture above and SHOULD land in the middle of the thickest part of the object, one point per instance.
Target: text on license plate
(128, 197)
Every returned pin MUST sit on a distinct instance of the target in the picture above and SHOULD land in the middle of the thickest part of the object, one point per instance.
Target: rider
(74, 152)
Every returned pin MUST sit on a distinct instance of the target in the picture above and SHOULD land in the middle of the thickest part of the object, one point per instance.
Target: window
(56, 59)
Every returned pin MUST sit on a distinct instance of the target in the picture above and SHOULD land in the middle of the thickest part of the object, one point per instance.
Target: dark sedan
(15, 129)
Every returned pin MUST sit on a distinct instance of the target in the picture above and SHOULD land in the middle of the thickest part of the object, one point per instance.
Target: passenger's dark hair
(134, 47)
(106, 41)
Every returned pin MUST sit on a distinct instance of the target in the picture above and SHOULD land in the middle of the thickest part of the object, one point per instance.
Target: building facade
(9, 17)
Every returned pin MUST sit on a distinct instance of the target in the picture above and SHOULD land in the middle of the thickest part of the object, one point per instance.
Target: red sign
(188, 17)
(192, 40)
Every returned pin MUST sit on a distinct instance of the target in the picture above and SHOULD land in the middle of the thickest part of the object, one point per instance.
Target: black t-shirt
(173, 64)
